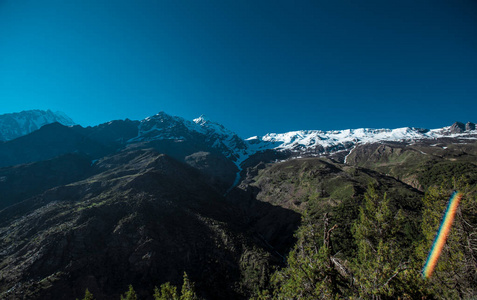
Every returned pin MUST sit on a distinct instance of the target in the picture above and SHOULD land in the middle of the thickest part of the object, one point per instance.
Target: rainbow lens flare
(442, 234)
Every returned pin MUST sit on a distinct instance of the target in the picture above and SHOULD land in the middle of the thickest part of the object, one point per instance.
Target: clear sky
(254, 66)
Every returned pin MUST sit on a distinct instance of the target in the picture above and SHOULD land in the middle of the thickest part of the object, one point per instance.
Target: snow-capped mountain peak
(163, 126)
(214, 127)
(211, 135)
(14, 125)
(317, 139)
(201, 120)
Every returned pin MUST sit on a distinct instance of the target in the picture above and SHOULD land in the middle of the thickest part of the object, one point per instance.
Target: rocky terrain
(140, 202)
(143, 219)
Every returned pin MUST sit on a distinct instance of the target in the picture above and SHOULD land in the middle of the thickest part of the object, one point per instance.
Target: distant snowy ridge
(15, 125)
(316, 142)
(306, 139)
(163, 126)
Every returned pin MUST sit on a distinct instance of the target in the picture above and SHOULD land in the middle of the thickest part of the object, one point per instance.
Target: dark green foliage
(455, 274)
(255, 269)
(344, 215)
(188, 289)
(169, 292)
(384, 264)
(378, 250)
(436, 173)
(87, 295)
(310, 271)
(166, 292)
(130, 294)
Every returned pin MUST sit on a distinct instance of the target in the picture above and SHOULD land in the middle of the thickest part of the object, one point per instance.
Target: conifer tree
(311, 272)
(455, 274)
(188, 289)
(87, 295)
(130, 294)
(384, 267)
(166, 292)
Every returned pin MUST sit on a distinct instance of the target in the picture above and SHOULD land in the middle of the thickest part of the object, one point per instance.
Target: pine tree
(455, 274)
(188, 289)
(166, 292)
(384, 266)
(87, 295)
(130, 294)
(311, 269)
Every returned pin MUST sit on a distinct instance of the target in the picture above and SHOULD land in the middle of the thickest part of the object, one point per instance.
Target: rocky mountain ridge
(201, 141)
(164, 127)
(337, 143)
(15, 125)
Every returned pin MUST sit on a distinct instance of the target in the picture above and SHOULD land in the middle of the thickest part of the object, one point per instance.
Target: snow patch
(346, 157)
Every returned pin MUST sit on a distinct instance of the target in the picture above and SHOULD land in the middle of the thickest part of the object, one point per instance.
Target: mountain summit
(14, 125)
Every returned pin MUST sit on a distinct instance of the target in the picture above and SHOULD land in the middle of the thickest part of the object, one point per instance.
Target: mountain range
(141, 202)
(190, 140)
(15, 125)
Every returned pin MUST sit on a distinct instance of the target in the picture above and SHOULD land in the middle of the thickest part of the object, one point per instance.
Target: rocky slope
(21, 182)
(420, 163)
(143, 219)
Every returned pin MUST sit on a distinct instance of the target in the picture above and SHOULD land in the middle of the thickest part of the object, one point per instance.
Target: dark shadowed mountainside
(144, 219)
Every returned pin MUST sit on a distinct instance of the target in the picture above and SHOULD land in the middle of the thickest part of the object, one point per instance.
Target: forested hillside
(372, 243)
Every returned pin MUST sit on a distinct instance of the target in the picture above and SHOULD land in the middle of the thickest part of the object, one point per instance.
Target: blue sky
(254, 66)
